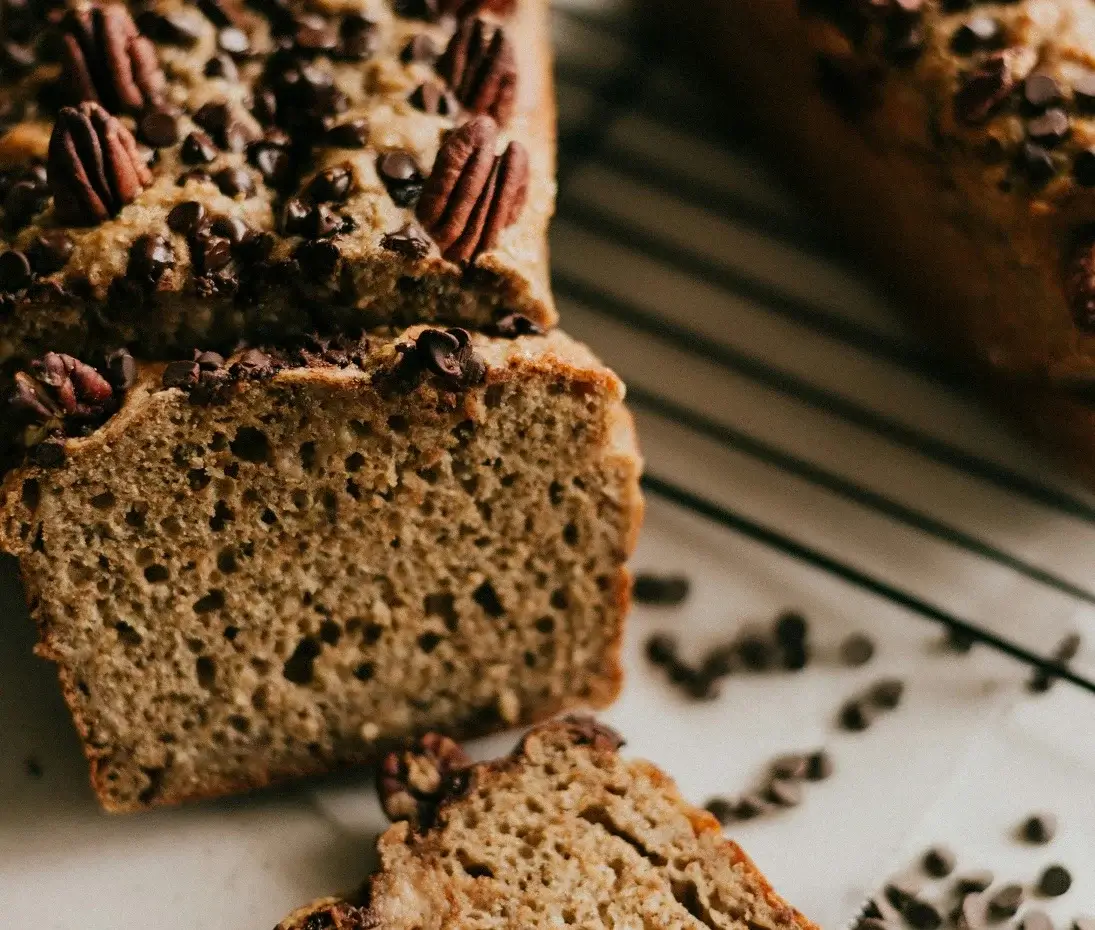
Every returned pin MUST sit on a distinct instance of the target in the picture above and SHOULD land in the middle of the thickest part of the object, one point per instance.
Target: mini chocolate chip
(1055, 881)
(887, 693)
(48, 454)
(272, 161)
(1005, 902)
(750, 806)
(433, 98)
(357, 37)
(158, 128)
(661, 649)
(757, 652)
(856, 716)
(198, 149)
(973, 882)
(221, 66)
(409, 241)
(1049, 128)
(15, 273)
(333, 184)
(212, 253)
(513, 325)
(1042, 90)
(1036, 920)
(353, 134)
(401, 176)
(50, 251)
(1039, 828)
(939, 861)
(702, 687)
(791, 628)
(921, 915)
(663, 590)
(785, 793)
(231, 228)
(958, 640)
(186, 217)
(980, 32)
(181, 374)
(722, 809)
(150, 257)
(233, 181)
(420, 49)
(857, 650)
(819, 766)
(233, 41)
(792, 766)
(121, 369)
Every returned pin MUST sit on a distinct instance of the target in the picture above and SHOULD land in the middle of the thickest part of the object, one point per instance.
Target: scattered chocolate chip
(121, 369)
(234, 181)
(401, 176)
(1083, 91)
(221, 66)
(209, 361)
(332, 184)
(973, 882)
(958, 640)
(410, 241)
(756, 651)
(939, 861)
(198, 149)
(513, 325)
(272, 161)
(15, 272)
(186, 217)
(1039, 828)
(1005, 902)
(1055, 881)
(48, 454)
(357, 37)
(784, 793)
(50, 251)
(318, 258)
(819, 766)
(433, 98)
(722, 809)
(979, 32)
(158, 128)
(150, 257)
(856, 716)
(790, 767)
(231, 228)
(1083, 167)
(663, 590)
(352, 134)
(1065, 651)
(211, 253)
(1042, 90)
(1049, 128)
(901, 890)
(420, 49)
(857, 650)
(887, 693)
(719, 661)
(790, 628)
(181, 374)
(921, 915)
(750, 806)
(1036, 163)
(661, 649)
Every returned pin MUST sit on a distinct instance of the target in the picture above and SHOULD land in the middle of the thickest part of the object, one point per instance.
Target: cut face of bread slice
(273, 570)
(564, 832)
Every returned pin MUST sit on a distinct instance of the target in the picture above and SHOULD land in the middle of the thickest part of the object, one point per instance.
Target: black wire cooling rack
(611, 79)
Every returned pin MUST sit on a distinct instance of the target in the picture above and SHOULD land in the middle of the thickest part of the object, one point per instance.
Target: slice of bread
(563, 832)
(274, 571)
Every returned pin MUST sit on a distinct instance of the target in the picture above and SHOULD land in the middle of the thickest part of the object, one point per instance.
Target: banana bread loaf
(954, 140)
(564, 832)
(275, 565)
(178, 175)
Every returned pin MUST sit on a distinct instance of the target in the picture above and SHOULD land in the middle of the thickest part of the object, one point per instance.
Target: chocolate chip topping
(1039, 828)
(150, 258)
(198, 149)
(979, 32)
(1055, 881)
(15, 272)
(665, 590)
(234, 182)
(105, 59)
(181, 374)
(1005, 902)
(186, 217)
(989, 85)
(481, 68)
(401, 176)
(446, 354)
(1049, 128)
(857, 649)
(352, 134)
(414, 782)
(939, 861)
(94, 166)
(587, 731)
(158, 128)
(333, 184)
(1042, 90)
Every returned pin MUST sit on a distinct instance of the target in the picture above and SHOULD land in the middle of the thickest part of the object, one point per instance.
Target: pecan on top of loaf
(272, 155)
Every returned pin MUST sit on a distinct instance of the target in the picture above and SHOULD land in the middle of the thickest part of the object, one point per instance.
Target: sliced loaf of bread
(276, 565)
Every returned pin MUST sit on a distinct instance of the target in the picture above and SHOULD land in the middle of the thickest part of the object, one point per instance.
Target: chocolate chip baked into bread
(274, 565)
(954, 139)
(178, 175)
(563, 832)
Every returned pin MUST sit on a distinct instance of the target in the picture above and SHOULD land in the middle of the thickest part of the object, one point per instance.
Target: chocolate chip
(792, 766)
(15, 273)
(887, 693)
(186, 217)
(409, 241)
(661, 648)
(722, 809)
(1042, 90)
(333, 184)
(1036, 920)
(663, 590)
(420, 49)
(121, 369)
(921, 915)
(353, 134)
(857, 650)
(233, 181)
(211, 253)
(264, 105)
(973, 882)
(720, 661)
(958, 640)
(293, 216)
(318, 258)
(784, 793)
(1083, 91)
(233, 41)
(939, 861)
(401, 176)
(702, 687)
(790, 628)
(856, 716)
(440, 352)
(50, 251)
(1039, 828)
(320, 222)
(1049, 128)
(1055, 881)
(231, 228)
(357, 37)
(181, 374)
(1005, 902)
(757, 652)
(150, 257)
(983, 90)
(979, 32)
(750, 806)
(209, 361)
(48, 454)
(433, 98)
(513, 325)
(221, 66)
(158, 128)
(819, 766)
(1036, 163)
(272, 162)
(198, 149)
(872, 923)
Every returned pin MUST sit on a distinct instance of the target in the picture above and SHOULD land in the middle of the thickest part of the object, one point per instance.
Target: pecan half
(481, 68)
(414, 782)
(104, 58)
(94, 167)
(471, 195)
